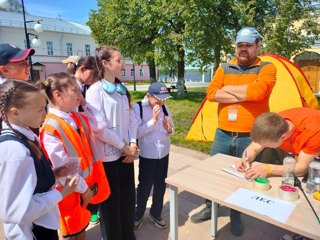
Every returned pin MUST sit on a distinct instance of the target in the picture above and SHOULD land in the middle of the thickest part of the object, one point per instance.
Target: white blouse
(19, 208)
(154, 140)
(119, 128)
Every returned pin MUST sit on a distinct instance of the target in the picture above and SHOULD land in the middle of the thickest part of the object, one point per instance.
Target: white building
(60, 39)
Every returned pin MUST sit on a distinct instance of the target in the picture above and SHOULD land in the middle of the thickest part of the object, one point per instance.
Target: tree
(129, 25)
(14, 6)
(282, 23)
(199, 32)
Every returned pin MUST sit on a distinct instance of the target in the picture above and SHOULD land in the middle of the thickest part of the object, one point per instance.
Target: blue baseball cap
(159, 91)
(10, 53)
(247, 34)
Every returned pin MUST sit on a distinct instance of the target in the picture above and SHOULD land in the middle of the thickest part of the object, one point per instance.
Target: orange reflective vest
(74, 217)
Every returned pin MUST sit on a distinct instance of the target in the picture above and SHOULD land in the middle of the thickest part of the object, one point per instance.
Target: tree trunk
(180, 83)
(217, 53)
(152, 69)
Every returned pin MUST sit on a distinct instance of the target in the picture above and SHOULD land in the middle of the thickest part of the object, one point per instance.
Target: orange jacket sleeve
(262, 87)
(215, 84)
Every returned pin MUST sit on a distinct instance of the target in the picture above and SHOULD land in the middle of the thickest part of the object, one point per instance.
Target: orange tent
(291, 90)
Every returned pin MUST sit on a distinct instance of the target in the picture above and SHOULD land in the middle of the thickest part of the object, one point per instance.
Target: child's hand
(133, 149)
(129, 159)
(167, 125)
(70, 186)
(86, 197)
(155, 113)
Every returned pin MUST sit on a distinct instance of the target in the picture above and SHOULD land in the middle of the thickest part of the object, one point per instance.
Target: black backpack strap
(13, 137)
(140, 107)
(164, 109)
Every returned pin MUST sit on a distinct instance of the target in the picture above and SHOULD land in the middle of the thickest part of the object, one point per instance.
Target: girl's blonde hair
(14, 93)
(57, 81)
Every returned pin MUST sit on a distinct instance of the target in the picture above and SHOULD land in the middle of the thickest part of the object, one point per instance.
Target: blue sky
(77, 10)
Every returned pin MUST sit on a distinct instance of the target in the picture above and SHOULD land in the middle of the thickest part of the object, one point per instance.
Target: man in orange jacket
(242, 88)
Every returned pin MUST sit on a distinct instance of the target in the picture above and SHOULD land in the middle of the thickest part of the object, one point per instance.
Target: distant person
(85, 71)
(154, 128)
(14, 62)
(71, 61)
(28, 204)
(242, 88)
(294, 130)
(117, 144)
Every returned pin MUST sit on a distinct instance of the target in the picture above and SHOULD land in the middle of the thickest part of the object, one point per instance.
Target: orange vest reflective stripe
(74, 217)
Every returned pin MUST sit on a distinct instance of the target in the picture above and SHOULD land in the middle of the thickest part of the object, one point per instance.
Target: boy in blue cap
(154, 128)
(13, 62)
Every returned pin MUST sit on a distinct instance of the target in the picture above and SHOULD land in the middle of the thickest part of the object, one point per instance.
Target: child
(112, 99)
(14, 62)
(68, 134)
(71, 62)
(155, 126)
(84, 70)
(28, 206)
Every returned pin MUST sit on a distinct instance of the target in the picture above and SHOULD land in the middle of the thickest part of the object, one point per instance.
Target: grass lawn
(182, 112)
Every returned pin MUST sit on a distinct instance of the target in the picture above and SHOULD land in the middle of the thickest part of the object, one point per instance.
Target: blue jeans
(225, 144)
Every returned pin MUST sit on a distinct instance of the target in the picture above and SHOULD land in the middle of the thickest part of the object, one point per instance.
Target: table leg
(173, 213)
(214, 219)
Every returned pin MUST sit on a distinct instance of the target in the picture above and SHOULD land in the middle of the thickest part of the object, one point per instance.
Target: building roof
(15, 20)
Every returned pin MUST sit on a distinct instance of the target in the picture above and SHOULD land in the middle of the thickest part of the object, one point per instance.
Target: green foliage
(15, 6)
(182, 112)
(282, 23)
(171, 34)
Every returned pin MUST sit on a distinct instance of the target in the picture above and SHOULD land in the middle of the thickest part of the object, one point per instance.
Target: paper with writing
(274, 208)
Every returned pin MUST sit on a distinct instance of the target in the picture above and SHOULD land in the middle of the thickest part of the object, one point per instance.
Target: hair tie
(45, 82)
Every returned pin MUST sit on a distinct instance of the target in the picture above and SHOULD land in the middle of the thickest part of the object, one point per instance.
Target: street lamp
(36, 42)
(37, 27)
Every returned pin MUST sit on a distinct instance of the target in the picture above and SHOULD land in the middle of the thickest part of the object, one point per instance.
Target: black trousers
(117, 212)
(152, 172)
(41, 233)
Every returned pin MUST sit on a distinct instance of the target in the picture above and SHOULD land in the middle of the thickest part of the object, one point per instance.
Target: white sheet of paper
(274, 208)
(233, 172)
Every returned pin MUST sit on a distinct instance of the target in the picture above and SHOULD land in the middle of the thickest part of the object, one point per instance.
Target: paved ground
(180, 158)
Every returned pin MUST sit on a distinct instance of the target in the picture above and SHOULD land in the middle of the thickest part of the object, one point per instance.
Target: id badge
(233, 114)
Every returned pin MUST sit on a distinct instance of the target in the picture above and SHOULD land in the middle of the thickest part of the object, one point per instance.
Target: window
(124, 73)
(69, 49)
(141, 72)
(50, 48)
(87, 47)
(132, 72)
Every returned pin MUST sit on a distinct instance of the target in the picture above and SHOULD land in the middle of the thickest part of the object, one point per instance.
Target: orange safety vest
(74, 217)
